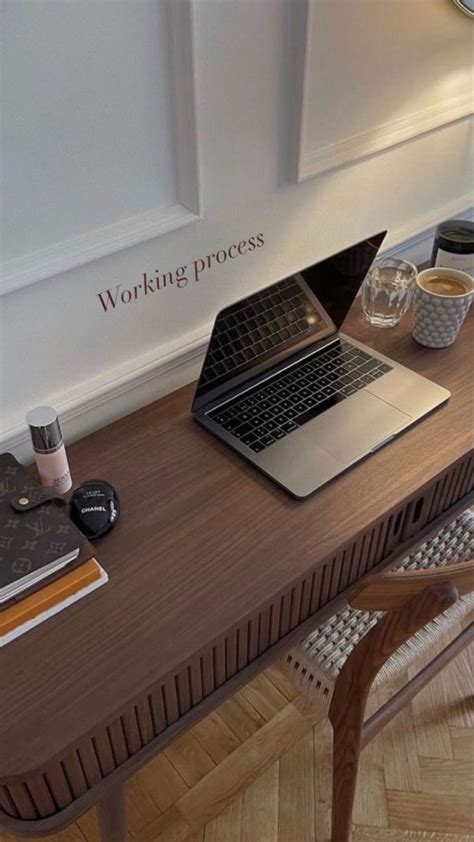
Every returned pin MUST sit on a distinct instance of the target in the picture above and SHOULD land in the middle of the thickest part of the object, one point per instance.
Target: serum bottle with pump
(50, 453)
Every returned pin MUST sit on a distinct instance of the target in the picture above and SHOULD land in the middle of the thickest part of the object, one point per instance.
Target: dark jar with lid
(453, 245)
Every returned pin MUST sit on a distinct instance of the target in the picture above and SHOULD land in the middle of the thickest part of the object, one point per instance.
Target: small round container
(453, 245)
(50, 453)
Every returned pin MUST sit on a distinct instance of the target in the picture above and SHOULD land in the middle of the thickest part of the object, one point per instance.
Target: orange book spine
(49, 596)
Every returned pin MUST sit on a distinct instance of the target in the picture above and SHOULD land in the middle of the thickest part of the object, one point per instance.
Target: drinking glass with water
(387, 291)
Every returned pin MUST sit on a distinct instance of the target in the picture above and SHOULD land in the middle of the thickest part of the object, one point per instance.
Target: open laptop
(300, 400)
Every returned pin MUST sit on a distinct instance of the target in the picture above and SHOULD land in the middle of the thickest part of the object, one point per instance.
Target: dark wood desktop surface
(203, 540)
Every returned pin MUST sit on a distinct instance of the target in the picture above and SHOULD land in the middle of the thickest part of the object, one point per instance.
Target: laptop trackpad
(357, 425)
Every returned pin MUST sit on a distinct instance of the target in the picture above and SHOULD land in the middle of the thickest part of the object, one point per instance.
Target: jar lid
(457, 230)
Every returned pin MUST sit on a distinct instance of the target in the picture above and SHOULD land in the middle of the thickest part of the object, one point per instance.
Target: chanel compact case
(95, 508)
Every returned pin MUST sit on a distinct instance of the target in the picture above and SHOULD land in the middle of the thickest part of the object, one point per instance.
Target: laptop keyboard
(269, 412)
(251, 329)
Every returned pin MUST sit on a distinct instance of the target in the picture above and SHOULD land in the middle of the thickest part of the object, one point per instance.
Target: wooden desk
(213, 572)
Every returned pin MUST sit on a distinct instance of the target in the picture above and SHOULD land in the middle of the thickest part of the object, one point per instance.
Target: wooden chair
(390, 619)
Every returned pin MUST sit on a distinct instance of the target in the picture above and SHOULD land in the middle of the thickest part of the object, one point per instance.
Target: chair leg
(347, 720)
(352, 687)
(112, 815)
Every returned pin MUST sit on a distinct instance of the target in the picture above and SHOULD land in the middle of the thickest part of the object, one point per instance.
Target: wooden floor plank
(260, 808)
(226, 826)
(370, 806)
(462, 740)
(216, 737)
(189, 758)
(264, 697)
(371, 834)
(241, 717)
(322, 748)
(277, 676)
(461, 703)
(296, 803)
(432, 733)
(447, 776)
(425, 811)
(169, 827)
(162, 781)
(401, 768)
(214, 792)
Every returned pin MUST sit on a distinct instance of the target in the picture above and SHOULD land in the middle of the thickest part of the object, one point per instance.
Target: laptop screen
(265, 328)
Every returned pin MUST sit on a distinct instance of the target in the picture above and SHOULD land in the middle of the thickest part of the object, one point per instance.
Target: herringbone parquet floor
(258, 770)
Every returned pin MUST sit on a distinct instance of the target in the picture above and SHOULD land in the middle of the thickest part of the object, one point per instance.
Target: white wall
(59, 346)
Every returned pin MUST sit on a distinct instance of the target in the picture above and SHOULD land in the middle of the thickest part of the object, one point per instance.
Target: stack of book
(46, 564)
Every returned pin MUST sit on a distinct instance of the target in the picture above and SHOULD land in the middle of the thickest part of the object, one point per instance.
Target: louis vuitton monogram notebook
(38, 542)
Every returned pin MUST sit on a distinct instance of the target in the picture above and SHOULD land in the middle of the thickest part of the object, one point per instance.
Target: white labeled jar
(50, 453)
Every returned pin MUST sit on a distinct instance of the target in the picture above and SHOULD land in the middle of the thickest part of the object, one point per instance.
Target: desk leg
(112, 816)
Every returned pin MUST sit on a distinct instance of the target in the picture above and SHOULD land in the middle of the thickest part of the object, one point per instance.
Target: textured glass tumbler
(387, 291)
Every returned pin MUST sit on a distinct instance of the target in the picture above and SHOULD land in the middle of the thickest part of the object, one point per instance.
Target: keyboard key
(365, 368)
(345, 379)
(231, 424)
(348, 390)
(384, 368)
(278, 434)
(362, 355)
(257, 446)
(267, 440)
(241, 431)
(249, 439)
(300, 407)
(289, 426)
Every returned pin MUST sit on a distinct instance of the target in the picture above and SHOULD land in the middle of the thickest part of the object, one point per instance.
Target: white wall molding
(312, 162)
(123, 389)
(99, 242)
(374, 140)
(119, 391)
